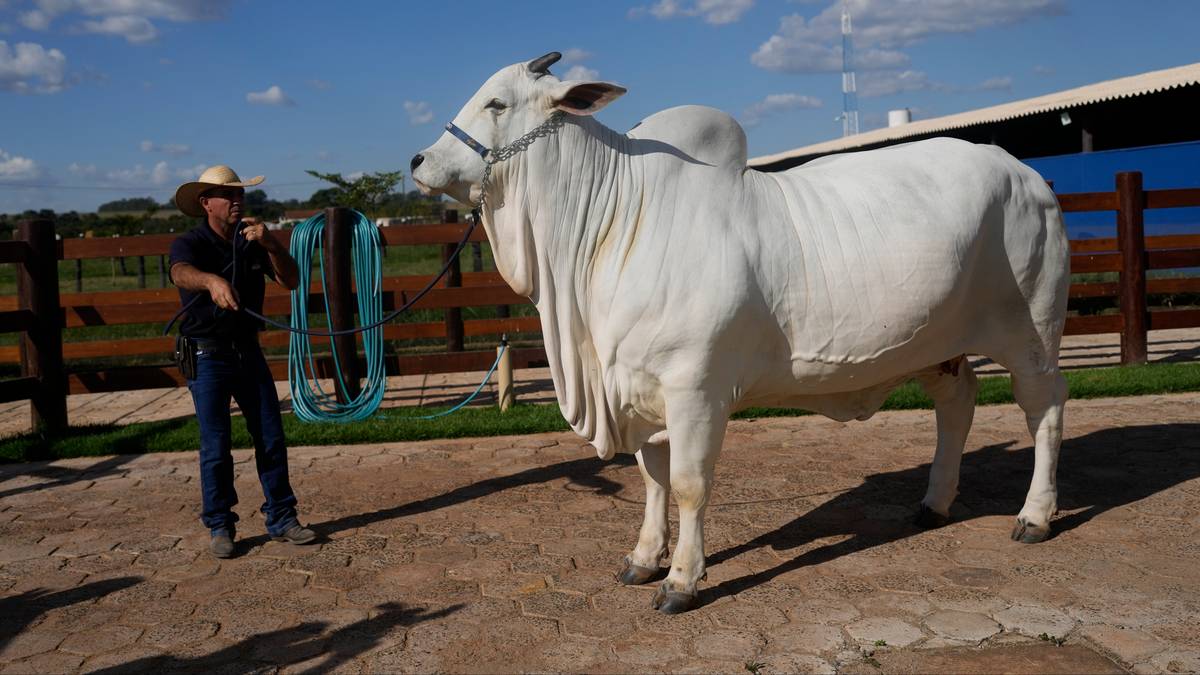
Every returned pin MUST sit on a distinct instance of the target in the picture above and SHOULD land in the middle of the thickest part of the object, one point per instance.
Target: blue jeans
(243, 376)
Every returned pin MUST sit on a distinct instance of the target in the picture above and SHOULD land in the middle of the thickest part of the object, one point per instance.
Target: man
(219, 353)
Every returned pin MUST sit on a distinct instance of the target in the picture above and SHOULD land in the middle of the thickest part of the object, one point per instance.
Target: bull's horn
(542, 63)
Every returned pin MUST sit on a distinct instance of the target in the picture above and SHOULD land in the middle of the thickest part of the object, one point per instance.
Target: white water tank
(899, 117)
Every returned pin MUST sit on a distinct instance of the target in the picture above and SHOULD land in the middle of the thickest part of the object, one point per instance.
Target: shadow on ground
(20, 611)
(1097, 472)
(289, 646)
(585, 472)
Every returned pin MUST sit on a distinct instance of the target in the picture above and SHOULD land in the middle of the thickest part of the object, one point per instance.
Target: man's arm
(287, 273)
(186, 276)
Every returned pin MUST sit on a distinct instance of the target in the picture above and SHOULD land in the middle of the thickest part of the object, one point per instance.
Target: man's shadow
(1103, 470)
(584, 472)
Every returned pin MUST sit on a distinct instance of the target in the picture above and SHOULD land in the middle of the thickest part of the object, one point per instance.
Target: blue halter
(466, 138)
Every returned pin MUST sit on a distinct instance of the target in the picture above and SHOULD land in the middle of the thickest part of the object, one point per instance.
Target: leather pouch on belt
(185, 357)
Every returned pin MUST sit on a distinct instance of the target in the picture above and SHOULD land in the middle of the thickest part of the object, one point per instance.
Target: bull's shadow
(1103, 470)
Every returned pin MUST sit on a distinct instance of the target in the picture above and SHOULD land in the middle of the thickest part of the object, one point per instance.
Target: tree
(131, 204)
(364, 193)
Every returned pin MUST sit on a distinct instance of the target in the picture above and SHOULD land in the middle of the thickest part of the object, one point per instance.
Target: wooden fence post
(78, 275)
(338, 285)
(454, 320)
(505, 394)
(41, 345)
(141, 271)
(1132, 241)
(162, 271)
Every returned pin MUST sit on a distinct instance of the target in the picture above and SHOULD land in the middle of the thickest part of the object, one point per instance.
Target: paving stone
(1128, 645)
(892, 631)
(97, 640)
(737, 645)
(114, 660)
(963, 626)
(52, 662)
(30, 643)
(795, 663)
(1034, 621)
(1176, 661)
(810, 638)
(175, 634)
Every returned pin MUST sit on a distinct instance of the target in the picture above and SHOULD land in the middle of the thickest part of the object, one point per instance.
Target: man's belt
(213, 345)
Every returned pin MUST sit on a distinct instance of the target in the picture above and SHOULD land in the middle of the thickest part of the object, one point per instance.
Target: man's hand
(256, 230)
(222, 294)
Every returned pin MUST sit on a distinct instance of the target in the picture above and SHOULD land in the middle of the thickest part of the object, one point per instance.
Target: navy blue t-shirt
(208, 252)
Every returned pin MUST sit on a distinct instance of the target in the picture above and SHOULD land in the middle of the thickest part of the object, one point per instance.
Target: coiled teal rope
(310, 401)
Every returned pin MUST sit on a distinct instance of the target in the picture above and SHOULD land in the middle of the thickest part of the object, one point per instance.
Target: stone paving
(498, 555)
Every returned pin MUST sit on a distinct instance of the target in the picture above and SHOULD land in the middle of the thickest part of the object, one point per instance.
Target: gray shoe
(297, 534)
(221, 545)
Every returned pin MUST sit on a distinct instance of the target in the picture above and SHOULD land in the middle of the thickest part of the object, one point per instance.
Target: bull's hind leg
(697, 428)
(952, 388)
(641, 565)
(1042, 397)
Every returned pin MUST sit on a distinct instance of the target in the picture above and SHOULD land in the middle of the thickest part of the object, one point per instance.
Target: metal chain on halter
(495, 156)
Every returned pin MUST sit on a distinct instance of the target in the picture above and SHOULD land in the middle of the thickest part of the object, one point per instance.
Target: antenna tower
(849, 89)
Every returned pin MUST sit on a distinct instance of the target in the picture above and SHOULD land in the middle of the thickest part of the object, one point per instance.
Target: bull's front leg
(641, 565)
(697, 429)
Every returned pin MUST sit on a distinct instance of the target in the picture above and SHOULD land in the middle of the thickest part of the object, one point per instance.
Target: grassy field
(390, 425)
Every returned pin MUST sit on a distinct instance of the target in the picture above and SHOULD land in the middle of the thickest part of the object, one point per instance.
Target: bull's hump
(705, 134)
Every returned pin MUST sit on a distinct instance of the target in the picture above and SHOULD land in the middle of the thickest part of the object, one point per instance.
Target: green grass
(388, 425)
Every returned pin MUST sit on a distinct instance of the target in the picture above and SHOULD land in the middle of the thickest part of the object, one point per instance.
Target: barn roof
(1124, 87)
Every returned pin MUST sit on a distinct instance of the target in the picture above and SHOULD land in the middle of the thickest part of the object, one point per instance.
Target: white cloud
(418, 112)
(883, 27)
(324, 155)
(24, 62)
(35, 19)
(716, 12)
(887, 83)
(172, 149)
(135, 29)
(85, 170)
(273, 95)
(575, 55)
(323, 85)
(581, 72)
(15, 168)
(129, 19)
(776, 103)
(191, 172)
(1043, 70)
(996, 84)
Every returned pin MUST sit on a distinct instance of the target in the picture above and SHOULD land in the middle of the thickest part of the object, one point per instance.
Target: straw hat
(187, 197)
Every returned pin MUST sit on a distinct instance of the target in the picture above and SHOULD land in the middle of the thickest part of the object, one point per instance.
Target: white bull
(675, 286)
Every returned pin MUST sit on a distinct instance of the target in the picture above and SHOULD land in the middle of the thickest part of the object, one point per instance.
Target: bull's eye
(496, 105)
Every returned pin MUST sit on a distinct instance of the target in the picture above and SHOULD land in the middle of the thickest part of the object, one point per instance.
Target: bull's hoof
(928, 519)
(1028, 533)
(635, 575)
(673, 602)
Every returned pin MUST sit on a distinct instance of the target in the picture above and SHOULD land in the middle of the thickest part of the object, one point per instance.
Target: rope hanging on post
(310, 401)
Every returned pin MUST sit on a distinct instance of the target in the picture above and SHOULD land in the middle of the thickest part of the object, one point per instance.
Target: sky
(106, 99)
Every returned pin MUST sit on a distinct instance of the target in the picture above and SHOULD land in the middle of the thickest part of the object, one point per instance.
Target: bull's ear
(585, 98)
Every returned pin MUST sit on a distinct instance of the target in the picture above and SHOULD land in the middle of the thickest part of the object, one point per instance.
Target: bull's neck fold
(549, 212)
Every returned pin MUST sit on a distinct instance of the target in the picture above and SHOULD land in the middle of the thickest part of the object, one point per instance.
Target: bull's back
(883, 257)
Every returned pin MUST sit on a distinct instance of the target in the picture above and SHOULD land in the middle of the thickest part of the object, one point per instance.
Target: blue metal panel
(1175, 165)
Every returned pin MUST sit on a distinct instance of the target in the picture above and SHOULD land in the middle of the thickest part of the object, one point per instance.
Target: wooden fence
(40, 314)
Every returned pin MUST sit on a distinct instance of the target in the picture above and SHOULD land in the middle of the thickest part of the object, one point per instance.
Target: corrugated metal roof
(1125, 87)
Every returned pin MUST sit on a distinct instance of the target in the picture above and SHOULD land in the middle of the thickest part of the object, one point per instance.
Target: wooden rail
(39, 313)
